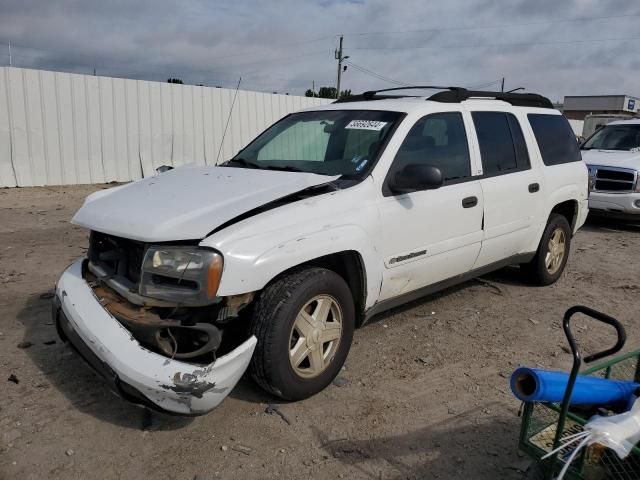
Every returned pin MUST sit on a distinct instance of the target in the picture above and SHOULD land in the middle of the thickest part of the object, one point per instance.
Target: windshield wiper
(242, 162)
(289, 168)
(283, 168)
(246, 163)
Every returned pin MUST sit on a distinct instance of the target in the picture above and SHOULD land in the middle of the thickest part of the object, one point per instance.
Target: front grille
(123, 256)
(611, 179)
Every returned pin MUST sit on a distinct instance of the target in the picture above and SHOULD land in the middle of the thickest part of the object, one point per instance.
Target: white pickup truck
(612, 154)
(332, 215)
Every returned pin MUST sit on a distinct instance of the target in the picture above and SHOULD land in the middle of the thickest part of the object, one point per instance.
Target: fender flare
(565, 194)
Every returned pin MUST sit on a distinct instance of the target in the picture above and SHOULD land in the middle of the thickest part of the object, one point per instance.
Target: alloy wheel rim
(556, 249)
(315, 336)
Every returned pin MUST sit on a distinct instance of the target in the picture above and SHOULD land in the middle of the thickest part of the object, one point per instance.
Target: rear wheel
(553, 252)
(304, 324)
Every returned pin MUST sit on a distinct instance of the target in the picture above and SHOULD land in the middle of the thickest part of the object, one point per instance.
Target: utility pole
(502, 88)
(9, 53)
(340, 58)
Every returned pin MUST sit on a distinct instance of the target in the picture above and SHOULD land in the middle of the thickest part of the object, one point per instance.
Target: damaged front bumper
(132, 371)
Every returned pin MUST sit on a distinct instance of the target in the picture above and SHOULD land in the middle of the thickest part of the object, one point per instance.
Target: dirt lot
(424, 393)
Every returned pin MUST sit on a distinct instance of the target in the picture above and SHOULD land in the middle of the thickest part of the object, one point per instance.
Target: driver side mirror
(416, 177)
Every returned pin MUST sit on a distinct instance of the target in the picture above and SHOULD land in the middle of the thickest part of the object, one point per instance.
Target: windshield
(327, 142)
(615, 137)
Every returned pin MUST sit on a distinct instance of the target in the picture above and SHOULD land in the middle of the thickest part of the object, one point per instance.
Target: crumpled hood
(612, 158)
(188, 202)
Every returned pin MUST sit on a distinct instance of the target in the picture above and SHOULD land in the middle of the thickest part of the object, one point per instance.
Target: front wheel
(553, 252)
(304, 324)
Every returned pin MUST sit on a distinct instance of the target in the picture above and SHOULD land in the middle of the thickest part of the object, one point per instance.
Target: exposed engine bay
(113, 271)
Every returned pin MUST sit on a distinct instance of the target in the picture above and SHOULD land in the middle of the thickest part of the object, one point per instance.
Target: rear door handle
(469, 202)
(534, 187)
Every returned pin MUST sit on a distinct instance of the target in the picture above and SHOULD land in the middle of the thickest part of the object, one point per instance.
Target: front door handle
(469, 202)
(534, 187)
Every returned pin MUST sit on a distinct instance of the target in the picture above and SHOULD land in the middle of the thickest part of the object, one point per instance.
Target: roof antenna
(228, 120)
(515, 90)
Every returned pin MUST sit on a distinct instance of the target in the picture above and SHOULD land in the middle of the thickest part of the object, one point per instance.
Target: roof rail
(373, 94)
(456, 95)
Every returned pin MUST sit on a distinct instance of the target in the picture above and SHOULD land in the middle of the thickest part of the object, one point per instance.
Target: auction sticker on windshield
(366, 125)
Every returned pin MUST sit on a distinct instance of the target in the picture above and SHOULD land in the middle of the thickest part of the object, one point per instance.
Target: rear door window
(522, 153)
(502, 146)
(555, 138)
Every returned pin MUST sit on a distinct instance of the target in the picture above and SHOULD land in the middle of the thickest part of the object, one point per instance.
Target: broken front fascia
(169, 385)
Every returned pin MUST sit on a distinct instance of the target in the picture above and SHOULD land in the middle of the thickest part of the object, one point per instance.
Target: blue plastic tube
(533, 385)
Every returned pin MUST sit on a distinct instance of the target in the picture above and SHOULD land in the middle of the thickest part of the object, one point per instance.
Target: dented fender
(257, 249)
(248, 269)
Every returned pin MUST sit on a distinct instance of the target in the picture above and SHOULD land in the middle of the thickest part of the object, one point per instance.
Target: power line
(380, 77)
(160, 72)
(504, 25)
(91, 59)
(219, 57)
(376, 75)
(491, 45)
(404, 84)
(129, 68)
(250, 53)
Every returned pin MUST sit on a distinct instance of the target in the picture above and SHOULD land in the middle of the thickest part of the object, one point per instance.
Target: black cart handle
(622, 338)
(601, 317)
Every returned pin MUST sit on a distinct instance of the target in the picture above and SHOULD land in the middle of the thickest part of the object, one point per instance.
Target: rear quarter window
(555, 138)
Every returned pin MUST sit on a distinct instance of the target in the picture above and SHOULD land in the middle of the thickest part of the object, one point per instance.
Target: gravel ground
(424, 393)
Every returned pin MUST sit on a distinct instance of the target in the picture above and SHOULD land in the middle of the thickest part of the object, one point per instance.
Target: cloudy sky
(554, 47)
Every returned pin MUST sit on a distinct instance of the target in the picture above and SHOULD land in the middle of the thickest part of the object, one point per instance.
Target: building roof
(597, 96)
(632, 121)
(596, 103)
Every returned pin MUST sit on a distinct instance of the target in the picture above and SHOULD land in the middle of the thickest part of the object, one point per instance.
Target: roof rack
(457, 95)
(373, 94)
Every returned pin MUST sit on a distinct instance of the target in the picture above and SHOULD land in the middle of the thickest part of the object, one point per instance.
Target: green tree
(174, 80)
(327, 92)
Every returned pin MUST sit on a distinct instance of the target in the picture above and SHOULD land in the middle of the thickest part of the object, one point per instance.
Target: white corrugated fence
(63, 128)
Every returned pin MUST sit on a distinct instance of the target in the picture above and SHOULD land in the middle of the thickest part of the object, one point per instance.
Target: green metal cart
(544, 425)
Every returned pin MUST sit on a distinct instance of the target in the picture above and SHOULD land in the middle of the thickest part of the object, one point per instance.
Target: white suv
(612, 154)
(332, 215)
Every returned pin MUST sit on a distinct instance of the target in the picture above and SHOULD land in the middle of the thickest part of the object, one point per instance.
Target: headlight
(593, 171)
(187, 275)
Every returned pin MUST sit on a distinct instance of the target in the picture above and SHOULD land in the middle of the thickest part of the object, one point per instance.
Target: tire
(283, 329)
(544, 269)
